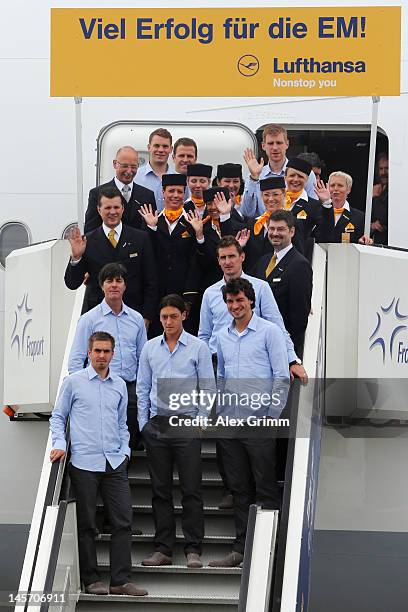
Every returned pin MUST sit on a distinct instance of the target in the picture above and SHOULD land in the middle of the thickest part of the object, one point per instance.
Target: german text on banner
(325, 51)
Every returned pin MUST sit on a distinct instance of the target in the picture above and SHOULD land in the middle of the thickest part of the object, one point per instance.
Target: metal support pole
(79, 170)
(371, 162)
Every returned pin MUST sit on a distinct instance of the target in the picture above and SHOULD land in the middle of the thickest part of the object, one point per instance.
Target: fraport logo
(387, 329)
(26, 346)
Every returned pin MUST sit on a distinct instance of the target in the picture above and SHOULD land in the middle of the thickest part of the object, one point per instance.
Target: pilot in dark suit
(133, 195)
(289, 274)
(119, 243)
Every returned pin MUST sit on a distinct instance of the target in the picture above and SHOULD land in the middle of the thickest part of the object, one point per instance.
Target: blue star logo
(21, 322)
(379, 340)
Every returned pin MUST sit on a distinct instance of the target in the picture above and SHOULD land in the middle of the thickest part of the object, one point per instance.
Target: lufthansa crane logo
(248, 65)
(389, 325)
(22, 319)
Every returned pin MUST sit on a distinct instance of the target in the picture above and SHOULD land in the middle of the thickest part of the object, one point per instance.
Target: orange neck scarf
(215, 222)
(198, 202)
(291, 196)
(260, 222)
(238, 199)
(172, 215)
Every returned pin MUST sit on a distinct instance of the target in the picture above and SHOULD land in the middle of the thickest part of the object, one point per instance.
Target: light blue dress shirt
(127, 328)
(147, 177)
(214, 313)
(161, 373)
(253, 364)
(252, 204)
(97, 411)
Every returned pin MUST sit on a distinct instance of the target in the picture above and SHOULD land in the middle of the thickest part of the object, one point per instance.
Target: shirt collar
(118, 229)
(282, 172)
(120, 185)
(183, 338)
(281, 254)
(93, 374)
(252, 325)
(106, 309)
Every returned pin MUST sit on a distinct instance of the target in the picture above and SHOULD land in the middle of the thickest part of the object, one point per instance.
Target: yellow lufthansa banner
(326, 51)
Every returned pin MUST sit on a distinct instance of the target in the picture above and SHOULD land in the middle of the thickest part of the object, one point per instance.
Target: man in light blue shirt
(214, 313)
(174, 388)
(125, 325)
(275, 143)
(252, 362)
(150, 175)
(94, 399)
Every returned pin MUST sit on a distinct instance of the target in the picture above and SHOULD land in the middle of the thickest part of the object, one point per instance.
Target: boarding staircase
(173, 587)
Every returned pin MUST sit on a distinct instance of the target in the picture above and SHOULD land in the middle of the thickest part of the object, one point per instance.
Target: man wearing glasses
(133, 196)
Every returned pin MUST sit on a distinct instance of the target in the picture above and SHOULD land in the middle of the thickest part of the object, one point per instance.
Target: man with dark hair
(184, 153)
(150, 175)
(275, 143)
(175, 361)
(118, 243)
(379, 213)
(125, 325)
(214, 313)
(315, 161)
(132, 196)
(99, 457)
(289, 275)
(261, 370)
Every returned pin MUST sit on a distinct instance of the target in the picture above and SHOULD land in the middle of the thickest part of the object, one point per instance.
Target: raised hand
(196, 222)
(243, 236)
(221, 203)
(322, 190)
(254, 167)
(150, 217)
(77, 242)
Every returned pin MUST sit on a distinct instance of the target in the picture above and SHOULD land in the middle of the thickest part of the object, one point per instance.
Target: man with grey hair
(133, 196)
(340, 222)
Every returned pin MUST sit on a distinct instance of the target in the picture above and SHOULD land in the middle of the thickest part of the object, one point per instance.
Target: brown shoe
(96, 588)
(227, 502)
(233, 559)
(158, 558)
(127, 589)
(194, 560)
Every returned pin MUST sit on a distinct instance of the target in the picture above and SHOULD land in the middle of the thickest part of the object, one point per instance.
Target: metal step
(139, 474)
(207, 450)
(196, 586)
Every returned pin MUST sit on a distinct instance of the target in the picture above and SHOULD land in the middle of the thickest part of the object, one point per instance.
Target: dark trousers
(131, 421)
(162, 453)
(114, 488)
(249, 464)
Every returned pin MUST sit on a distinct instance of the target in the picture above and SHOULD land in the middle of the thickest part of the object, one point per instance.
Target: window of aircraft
(67, 230)
(13, 235)
(344, 147)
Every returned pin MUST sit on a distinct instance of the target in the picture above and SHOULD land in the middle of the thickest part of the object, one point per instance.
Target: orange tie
(337, 211)
(271, 265)
(260, 221)
(111, 238)
(172, 215)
